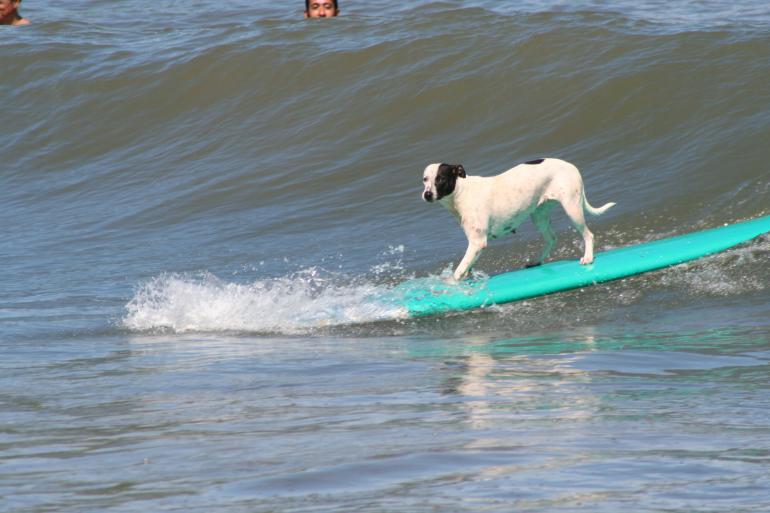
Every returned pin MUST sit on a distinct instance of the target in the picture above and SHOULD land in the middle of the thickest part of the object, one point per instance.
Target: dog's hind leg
(574, 210)
(541, 218)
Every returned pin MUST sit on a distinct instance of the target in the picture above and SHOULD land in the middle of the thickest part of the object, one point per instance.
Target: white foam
(295, 304)
(726, 273)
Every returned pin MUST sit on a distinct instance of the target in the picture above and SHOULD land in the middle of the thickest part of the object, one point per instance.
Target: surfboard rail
(422, 297)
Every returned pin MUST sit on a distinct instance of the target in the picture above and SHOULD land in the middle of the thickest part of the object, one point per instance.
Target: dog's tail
(595, 211)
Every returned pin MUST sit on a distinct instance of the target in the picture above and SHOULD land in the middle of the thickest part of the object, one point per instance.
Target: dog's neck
(449, 201)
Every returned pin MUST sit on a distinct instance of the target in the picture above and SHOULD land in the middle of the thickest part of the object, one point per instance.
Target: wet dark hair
(307, 4)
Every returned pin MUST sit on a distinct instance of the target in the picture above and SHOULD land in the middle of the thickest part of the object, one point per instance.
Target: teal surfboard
(422, 297)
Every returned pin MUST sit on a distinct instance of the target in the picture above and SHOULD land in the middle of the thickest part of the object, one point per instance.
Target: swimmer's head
(321, 8)
(8, 11)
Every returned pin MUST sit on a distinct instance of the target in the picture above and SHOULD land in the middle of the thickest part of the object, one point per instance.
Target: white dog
(489, 207)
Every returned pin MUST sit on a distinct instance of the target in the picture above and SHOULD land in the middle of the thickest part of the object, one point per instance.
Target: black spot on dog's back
(535, 162)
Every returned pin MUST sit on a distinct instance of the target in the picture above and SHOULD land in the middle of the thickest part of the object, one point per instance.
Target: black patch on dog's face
(535, 162)
(446, 179)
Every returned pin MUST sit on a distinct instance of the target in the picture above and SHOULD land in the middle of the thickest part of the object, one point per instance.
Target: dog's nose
(427, 195)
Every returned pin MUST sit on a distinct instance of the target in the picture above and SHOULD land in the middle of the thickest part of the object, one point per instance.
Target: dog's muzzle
(427, 196)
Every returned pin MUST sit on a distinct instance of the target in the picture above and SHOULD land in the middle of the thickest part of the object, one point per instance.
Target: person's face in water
(321, 9)
(8, 8)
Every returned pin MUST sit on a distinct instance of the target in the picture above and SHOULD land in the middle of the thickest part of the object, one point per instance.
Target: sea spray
(294, 304)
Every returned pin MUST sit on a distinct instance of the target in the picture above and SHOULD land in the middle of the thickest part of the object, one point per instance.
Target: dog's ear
(460, 171)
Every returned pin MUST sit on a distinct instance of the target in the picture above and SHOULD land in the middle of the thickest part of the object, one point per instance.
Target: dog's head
(440, 180)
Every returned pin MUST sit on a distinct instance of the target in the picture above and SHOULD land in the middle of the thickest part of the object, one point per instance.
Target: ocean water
(198, 203)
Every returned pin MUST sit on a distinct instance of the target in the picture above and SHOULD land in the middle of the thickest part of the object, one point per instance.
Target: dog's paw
(586, 261)
(452, 280)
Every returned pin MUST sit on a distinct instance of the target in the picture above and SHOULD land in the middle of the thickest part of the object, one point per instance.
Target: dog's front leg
(476, 244)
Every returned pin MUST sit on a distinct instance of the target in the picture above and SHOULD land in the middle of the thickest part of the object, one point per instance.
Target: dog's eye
(425, 179)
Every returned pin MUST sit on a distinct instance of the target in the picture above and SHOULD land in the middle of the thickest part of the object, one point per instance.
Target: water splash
(296, 304)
